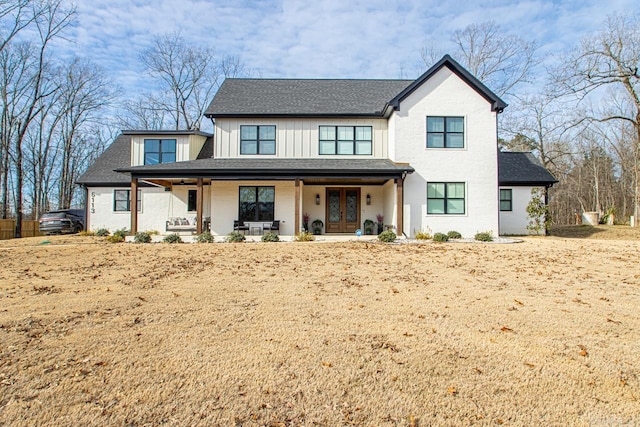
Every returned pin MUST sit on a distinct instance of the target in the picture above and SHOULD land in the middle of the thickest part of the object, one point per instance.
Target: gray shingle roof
(257, 168)
(101, 172)
(522, 168)
(300, 97)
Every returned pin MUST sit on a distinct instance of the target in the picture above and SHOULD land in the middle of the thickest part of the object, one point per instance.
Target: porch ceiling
(344, 181)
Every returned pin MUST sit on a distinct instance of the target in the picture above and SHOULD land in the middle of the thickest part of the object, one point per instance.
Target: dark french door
(343, 210)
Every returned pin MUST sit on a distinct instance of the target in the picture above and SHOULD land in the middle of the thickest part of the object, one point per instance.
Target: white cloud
(325, 38)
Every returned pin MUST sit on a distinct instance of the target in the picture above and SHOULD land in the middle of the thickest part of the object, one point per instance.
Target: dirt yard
(545, 332)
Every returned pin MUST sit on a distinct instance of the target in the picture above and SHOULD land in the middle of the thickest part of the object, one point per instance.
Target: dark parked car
(62, 221)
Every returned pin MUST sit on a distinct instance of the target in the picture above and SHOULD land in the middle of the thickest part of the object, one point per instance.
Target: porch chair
(240, 226)
(273, 226)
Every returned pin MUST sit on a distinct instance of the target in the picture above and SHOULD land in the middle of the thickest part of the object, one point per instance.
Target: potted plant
(317, 226)
(379, 218)
(305, 222)
(368, 226)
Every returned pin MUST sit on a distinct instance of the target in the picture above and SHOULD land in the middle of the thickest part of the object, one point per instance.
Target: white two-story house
(421, 154)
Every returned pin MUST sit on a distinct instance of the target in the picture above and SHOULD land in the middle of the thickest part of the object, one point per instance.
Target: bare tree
(502, 61)
(609, 59)
(187, 78)
(84, 92)
(35, 85)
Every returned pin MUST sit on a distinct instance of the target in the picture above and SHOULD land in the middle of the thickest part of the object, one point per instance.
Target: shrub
(234, 237)
(122, 233)
(87, 233)
(484, 236)
(305, 237)
(270, 237)
(172, 238)
(205, 237)
(538, 212)
(454, 235)
(102, 232)
(115, 238)
(142, 237)
(153, 232)
(440, 237)
(387, 236)
(423, 235)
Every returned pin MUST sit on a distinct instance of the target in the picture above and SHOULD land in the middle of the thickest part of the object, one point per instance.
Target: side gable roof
(497, 104)
(303, 97)
(522, 168)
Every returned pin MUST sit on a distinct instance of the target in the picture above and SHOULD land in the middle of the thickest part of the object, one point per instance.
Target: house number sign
(93, 202)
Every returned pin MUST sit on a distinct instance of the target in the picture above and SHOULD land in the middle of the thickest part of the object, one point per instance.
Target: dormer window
(159, 151)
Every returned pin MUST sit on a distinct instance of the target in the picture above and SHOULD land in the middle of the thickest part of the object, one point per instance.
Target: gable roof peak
(497, 104)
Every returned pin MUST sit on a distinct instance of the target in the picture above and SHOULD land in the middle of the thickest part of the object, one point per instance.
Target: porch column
(134, 206)
(199, 197)
(296, 225)
(399, 204)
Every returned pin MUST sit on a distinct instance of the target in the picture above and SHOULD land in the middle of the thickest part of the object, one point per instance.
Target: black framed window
(506, 200)
(159, 151)
(192, 198)
(122, 200)
(445, 132)
(256, 203)
(257, 140)
(345, 140)
(445, 198)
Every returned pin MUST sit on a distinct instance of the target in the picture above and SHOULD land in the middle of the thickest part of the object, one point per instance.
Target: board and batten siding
(295, 138)
(475, 165)
(187, 147)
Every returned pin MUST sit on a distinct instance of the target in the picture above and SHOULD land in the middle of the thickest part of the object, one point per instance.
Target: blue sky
(322, 38)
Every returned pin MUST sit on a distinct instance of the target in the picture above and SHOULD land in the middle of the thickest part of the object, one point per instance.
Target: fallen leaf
(452, 391)
(327, 364)
(583, 350)
(507, 329)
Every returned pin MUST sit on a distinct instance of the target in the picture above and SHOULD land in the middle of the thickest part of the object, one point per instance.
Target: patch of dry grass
(600, 232)
(545, 332)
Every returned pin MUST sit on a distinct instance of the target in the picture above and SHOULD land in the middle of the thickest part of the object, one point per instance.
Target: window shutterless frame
(158, 151)
(257, 139)
(192, 197)
(256, 203)
(345, 140)
(506, 200)
(446, 198)
(445, 132)
(122, 200)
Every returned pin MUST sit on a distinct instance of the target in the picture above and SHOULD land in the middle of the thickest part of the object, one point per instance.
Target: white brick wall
(515, 222)
(445, 94)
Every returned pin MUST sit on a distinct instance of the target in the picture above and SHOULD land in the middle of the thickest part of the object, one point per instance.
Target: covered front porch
(343, 196)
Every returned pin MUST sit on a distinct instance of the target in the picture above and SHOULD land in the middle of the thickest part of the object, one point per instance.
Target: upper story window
(159, 151)
(445, 132)
(506, 200)
(445, 198)
(257, 140)
(345, 140)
